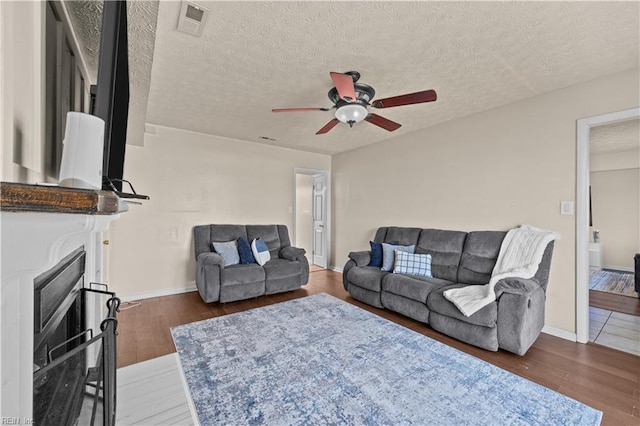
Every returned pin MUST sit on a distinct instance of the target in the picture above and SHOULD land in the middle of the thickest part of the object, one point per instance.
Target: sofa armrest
(361, 258)
(210, 259)
(291, 253)
(520, 313)
(208, 267)
(520, 286)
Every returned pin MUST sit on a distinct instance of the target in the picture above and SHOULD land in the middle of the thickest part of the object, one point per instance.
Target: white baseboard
(157, 293)
(335, 269)
(618, 268)
(558, 332)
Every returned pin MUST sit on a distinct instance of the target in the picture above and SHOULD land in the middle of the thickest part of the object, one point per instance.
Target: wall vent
(192, 18)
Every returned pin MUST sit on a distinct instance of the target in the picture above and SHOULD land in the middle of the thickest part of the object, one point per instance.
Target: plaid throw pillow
(412, 264)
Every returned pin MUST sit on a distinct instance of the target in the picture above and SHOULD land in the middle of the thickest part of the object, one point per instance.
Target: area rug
(612, 282)
(321, 361)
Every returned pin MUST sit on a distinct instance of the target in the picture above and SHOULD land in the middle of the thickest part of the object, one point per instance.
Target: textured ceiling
(254, 56)
(86, 19)
(617, 137)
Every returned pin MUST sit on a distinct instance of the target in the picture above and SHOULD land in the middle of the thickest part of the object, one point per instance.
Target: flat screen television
(111, 93)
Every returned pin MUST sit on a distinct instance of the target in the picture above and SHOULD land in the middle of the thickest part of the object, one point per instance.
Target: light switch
(566, 208)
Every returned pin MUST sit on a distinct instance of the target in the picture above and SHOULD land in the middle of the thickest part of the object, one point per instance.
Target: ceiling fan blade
(408, 99)
(344, 86)
(385, 123)
(298, 109)
(330, 125)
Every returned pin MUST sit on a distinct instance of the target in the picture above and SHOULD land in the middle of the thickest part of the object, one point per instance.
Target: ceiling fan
(351, 99)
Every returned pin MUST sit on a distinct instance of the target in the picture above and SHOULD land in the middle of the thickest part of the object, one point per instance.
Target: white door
(320, 220)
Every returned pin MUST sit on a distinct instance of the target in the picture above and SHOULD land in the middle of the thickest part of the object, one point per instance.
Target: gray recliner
(513, 322)
(287, 270)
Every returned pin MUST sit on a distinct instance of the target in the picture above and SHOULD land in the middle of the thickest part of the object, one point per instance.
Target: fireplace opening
(74, 365)
(58, 307)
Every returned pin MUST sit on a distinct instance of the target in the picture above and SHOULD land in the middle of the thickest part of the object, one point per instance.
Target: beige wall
(304, 218)
(21, 97)
(195, 179)
(615, 198)
(615, 161)
(492, 170)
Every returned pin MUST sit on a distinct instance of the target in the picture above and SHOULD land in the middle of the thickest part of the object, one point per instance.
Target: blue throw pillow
(412, 264)
(389, 256)
(228, 250)
(244, 250)
(376, 254)
(260, 251)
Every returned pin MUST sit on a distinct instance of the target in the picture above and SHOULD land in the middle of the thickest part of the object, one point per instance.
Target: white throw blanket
(520, 255)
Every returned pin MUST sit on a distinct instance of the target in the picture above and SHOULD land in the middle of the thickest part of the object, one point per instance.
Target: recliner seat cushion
(412, 287)
(281, 268)
(241, 274)
(367, 277)
(486, 317)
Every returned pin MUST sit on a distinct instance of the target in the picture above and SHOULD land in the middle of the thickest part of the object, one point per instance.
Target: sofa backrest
(459, 256)
(445, 248)
(479, 256)
(275, 236)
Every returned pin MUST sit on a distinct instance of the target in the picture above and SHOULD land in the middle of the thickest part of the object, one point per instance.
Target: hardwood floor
(614, 302)
(604, 378)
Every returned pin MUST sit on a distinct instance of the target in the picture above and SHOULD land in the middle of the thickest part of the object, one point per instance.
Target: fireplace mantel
(40, 225)
(19, 197)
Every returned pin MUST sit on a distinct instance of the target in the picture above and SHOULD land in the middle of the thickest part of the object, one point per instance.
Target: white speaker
(82, 152)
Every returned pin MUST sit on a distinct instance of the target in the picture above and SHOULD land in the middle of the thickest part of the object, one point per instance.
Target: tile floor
(615, 330)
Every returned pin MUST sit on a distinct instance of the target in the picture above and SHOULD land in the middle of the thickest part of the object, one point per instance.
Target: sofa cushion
(227, 232)
(244, 251)
(269, 234)
(479, 256)
(445, 248)
(281, 268)
(486, 317)
(412, 287)
(412, 264)
(368, 277)
(241, 274)
(402, 236)
(260, 251)
(389, 255)
(228, 251)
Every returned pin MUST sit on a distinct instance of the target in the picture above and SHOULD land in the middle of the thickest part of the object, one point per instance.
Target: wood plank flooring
(614, 302)
(604, 378)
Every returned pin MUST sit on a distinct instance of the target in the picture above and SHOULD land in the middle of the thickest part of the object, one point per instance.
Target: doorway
(311, 215)
(582, 213)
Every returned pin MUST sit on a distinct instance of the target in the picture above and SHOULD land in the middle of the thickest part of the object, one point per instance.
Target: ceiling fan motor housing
(355, 111)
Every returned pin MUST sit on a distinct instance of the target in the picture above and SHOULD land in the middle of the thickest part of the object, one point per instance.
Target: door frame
(312, 172)
(583, 128)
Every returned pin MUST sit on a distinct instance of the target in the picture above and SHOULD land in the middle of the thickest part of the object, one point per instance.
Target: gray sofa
(287, 270)
(513, 322)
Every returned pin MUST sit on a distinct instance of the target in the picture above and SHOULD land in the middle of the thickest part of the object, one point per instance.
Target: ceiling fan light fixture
(351, 113)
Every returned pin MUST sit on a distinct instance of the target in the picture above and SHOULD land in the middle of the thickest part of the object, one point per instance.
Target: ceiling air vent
(192, 18)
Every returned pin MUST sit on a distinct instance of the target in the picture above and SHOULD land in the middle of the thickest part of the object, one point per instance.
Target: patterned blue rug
(321, 361)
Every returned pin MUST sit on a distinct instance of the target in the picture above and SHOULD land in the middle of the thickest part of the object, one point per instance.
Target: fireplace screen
(79, 387)
(74, 380)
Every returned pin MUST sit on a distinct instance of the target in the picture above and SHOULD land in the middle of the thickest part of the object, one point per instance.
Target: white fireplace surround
(33, 243)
